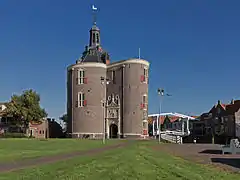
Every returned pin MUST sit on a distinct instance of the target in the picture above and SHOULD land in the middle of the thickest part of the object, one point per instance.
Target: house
(38, 129)
(5, 121)
(2, 109)
(220, 124)
(46, 128)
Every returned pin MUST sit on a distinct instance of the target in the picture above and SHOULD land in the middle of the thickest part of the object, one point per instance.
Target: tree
(64, 118)
(25, 108)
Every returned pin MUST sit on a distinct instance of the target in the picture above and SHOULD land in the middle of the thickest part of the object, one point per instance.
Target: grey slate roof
(93, 55)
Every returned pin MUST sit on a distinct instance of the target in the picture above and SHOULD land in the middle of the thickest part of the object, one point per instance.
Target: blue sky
(193, 47)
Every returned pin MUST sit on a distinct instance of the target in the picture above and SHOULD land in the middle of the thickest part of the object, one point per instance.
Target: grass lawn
(17, 149)
(137, 161)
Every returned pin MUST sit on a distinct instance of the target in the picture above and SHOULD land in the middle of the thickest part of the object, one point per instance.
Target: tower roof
(94, 52)
(93, 55)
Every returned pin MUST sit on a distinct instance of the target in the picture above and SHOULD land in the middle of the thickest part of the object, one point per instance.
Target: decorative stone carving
(113, 112)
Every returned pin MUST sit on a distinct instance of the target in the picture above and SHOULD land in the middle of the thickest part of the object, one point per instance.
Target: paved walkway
(5, 167)
(204, 154)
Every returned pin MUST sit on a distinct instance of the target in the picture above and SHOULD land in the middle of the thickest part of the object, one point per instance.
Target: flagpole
(94, 11)
(139, 53)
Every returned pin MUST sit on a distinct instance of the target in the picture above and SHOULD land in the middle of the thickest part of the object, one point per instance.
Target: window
(145, 117)
(145, 73)
(81, 100)
(145, 128)
(144, 76)
(114, 77)
(40, 132)
(144, 99)
(97, 37)
(144, 102)
(81, 76)
(94, 38)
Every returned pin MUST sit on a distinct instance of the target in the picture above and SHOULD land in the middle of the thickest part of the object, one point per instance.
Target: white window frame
(81, 99)
(145, 74)
(145, 95)
(145, 103)
(145, 116)
(81, 76)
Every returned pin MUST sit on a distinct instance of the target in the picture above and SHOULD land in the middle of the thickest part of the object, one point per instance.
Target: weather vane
(94, 9)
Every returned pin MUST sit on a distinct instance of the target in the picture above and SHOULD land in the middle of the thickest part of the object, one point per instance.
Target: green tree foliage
(64, 118)
(25, 107)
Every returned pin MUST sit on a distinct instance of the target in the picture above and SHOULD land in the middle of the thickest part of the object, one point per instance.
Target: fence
(172, 138)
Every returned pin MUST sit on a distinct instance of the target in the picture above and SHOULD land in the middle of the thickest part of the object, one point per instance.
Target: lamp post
(160, 94)
(104, 81)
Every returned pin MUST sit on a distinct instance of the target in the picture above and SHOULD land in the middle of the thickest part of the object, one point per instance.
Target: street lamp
(160, 92)
(104, 81)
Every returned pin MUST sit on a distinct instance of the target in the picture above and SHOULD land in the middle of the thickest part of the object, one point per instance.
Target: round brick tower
(130, 82)
(85, 91)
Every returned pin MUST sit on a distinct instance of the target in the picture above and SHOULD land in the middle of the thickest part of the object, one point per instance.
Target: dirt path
(204, 154)
(5, 167)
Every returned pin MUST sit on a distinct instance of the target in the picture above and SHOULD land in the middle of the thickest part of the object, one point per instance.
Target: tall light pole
(104, 82)
(160, 95)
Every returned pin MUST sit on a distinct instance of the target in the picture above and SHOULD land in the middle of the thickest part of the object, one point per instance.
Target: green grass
(18, 149)
(137, 161)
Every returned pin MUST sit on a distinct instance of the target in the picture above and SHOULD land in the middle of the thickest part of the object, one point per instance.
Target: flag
(94, 8)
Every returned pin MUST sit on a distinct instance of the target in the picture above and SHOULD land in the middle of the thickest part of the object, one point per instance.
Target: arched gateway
(113, 117)
(113, 131)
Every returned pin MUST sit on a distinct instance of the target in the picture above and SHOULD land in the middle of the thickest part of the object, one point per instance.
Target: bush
(13, 135)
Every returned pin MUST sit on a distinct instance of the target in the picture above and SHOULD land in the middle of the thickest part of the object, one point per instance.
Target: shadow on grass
(234, 162)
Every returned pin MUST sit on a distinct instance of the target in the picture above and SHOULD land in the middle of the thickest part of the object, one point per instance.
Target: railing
(172, 138)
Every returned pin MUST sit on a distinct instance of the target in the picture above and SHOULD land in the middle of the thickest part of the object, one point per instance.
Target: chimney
(107, 61)
(232, 101)
(219, 102)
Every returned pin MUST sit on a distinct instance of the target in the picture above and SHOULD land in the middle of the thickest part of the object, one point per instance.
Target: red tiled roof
(195, 116)
(173, 118)
(230, 108)
(224, 105)
(162, 118)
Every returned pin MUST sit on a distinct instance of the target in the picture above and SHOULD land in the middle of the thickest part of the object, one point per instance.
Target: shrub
(13, 135)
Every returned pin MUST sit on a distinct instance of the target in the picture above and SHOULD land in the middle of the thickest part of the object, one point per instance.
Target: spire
(94, 31)
(94, 52)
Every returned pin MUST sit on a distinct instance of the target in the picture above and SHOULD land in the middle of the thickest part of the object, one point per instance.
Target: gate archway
(113, 117)
(113, 131)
